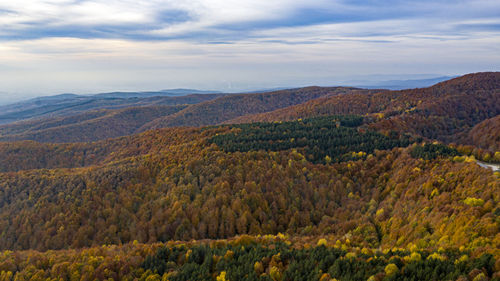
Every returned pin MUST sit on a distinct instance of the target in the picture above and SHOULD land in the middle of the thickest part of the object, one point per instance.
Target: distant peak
(188, 91)
(480, 80)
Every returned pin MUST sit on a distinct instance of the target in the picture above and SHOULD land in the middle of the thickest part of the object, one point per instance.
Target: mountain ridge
(69, 104)
(469, 100)
(208, 109)
(243, 104)
(445, 111)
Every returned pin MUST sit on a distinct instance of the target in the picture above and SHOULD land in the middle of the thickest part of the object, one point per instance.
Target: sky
(89, 46)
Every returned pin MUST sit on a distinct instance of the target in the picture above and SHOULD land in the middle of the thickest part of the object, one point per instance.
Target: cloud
(52, 46)
(219, 20)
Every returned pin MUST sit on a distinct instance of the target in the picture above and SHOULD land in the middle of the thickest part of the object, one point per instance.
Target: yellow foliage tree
(275, 274)
(222, 276)
(322, 242)
(474, 202)
(391, 269)
(258, 267)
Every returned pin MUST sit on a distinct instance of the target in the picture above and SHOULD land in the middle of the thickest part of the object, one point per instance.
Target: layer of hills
(71, 104)
(399, 84)
(191, 110)
(444, 111)
(447, 111)
(323, 183)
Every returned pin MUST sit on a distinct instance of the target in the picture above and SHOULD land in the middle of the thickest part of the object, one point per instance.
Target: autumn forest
(301, 184)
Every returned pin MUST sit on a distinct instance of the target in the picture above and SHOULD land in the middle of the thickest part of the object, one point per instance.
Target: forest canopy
(322, 139)
(329, 184)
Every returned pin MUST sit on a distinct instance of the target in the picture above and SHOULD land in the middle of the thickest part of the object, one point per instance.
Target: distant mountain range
(366, 84)
(73, 119)
(71, 104)
(446, 111)
(161, 93)
(400, 84)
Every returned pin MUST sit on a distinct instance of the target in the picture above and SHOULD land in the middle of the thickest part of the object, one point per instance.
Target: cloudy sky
(86, 46)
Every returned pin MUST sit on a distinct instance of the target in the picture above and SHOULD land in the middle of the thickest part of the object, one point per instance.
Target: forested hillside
(172, 184)
(322, 139)
(444, 111)
(266, 258)
(485, 134)
(28, 155)
(79, 124)
(68, 104)
(348, 185)
(232, 106)
(89, 126)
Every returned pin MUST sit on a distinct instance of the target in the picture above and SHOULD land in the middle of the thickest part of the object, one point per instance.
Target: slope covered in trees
(322, 139)
(246, 258)
(335, 197)
(232, 106)
(89, 126)
(69, 104)
(444, 111)
(172, 184)
(485, 134)
(78, 124)
(29, 155)
(432, 151)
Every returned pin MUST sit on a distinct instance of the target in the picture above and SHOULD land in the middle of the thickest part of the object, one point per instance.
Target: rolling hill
(89, 126)
(443, 111)
(172, 184)
(70, 104)
(80, 124)
(324, 183)
(233, 106)
(446, 111)
(485, 134)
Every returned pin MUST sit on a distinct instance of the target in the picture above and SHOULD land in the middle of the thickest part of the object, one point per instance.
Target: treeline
(279, 261)
(270, 258)
(431, 151)
(322, 139)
